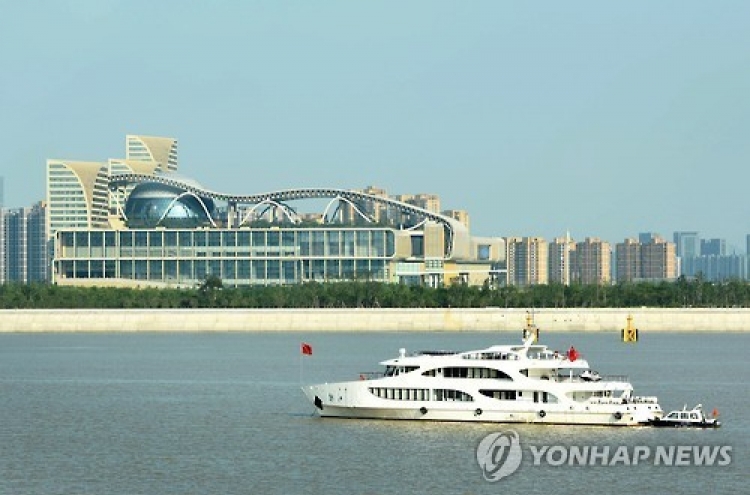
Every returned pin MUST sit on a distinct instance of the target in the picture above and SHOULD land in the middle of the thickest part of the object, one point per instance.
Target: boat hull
(337, 406)
(660, 423)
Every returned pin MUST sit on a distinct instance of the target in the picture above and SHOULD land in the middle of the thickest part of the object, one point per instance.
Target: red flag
(306, 349)
(572, 354)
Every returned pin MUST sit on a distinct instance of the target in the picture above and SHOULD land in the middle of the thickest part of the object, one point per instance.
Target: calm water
(223, 413)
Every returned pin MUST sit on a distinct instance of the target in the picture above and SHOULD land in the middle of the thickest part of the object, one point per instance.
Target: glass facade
(239, 257)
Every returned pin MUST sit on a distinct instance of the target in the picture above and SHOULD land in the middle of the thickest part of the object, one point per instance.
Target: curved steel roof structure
(452, 226)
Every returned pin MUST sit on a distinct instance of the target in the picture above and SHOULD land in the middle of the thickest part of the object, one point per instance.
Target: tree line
(211, 294)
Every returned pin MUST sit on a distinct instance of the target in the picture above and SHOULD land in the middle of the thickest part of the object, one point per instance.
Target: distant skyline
(601, 119)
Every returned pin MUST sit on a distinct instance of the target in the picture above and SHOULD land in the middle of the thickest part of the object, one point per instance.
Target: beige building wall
(153, 149)
(77, 195)
(434, 240)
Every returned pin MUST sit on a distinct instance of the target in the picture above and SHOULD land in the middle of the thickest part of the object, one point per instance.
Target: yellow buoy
(630, 333)
(531, 328)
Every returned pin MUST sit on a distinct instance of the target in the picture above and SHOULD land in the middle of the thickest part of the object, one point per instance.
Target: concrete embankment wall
(486, 319)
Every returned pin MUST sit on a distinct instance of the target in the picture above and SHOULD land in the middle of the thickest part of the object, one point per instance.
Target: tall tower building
(527, 261)
(560, 251)
(3, 246)
(715, 247)
(23, 245)
(687, 244)
(647, 237)
(153, 149)
(592, 262)
(77, 195)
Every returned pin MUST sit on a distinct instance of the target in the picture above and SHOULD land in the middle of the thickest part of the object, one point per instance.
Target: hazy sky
(602, 118)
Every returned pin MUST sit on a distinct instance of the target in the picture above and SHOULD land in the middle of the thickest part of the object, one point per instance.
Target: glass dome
(152, 205)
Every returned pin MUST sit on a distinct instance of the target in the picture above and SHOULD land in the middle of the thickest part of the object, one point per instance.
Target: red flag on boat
(572, 354)
(306, 349)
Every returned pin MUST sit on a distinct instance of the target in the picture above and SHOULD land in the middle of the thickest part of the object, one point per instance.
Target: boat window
(499, 394)
(474, 372)
(683, 415)
(415, 394)
(672, 415)
(446, 394)
(693, 415)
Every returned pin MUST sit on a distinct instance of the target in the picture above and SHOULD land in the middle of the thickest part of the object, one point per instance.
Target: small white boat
(693, 418)
(526, 383)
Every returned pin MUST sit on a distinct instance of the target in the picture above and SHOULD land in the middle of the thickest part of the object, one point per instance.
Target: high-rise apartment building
(591, 262)
(628, 260)
(560, 250)
(23, 244)
(527, 259)
(152, 149)
(654, 260)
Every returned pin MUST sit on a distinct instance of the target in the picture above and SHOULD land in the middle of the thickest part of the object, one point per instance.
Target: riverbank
(356, 320)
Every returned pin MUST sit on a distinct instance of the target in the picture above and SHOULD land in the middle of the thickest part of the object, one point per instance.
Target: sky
(604, 119)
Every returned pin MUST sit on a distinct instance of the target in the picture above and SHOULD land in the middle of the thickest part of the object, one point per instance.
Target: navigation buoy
(530, 328)
(630, 333)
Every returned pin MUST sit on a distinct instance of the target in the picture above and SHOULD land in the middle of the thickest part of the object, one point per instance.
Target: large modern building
(172, 231)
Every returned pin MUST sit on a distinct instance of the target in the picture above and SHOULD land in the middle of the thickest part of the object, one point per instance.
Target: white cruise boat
(525, 383)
